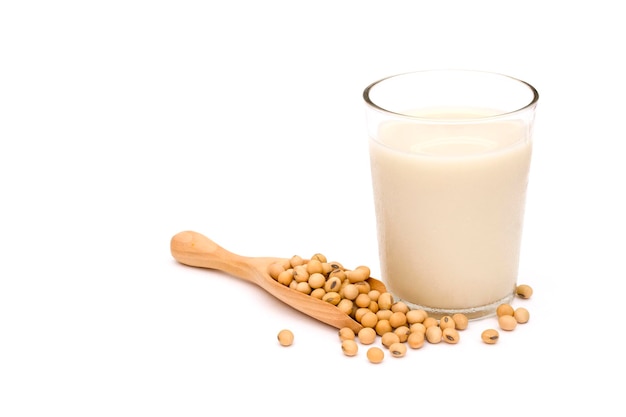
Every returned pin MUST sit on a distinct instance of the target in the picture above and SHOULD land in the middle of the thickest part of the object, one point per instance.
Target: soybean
(285, 277)
(369, 319)
(303, 287)
(320, 257)
(346, 333)
(318, 293)
(333, 284)
(285, 337)
(450, 335)
(360, 274)
(418, 328)
(403, 333)
(446, 322)
(416, 316)
(314, 266)
(385, 301)
(383, 326)
(317, 280)
(346, 306)
(389, 339)
(367, 335)
(397, 350)
(507, 323)
(351, 292)
(332, 298)
(524, 291)
(430, 322)
(460, 321)
(349, 347)
(397, 319)
(300, 274)
(416, 340)
(504, 310)
(521, 315)
(362, 300)
(434, 334)
(375, 355)
(490, 336)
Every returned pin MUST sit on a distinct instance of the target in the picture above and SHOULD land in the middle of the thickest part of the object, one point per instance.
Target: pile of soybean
(398, 326)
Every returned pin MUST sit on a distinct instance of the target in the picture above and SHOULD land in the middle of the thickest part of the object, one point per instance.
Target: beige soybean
(460, 321)
(446, 322)
(367, 335)
(363, 287)
(374, 294)
(285, 337)
(285, 277)
(416, 340)
(346, 333)
(397, 319)
(389, 339)
(300, 274)
(334, 284)
(403, 333)
(332, 297)
(434, 334)
(450, 335)
(524, 291)
(303, 287)
(346, 306)
(418, 328)
(349, 347)
(326, 268)
(400, 307)
(360, 312)
(319, 257)
(317, 280)
(362, 300)
(430, 322)
(336, 265)
(416, 316)
(385, 301)
(384, 314)
(507, 322)
(296, 260)
(490, 336)
(351, 292)
(337, 273)
(504, 310)
(318, 293)
(397, 350)
(521, 315)
(360, 273)
(314, 266)
(382, 327)
(369, 319)
(375, 355)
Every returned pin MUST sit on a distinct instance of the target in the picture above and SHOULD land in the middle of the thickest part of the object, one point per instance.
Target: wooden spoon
(194, 249)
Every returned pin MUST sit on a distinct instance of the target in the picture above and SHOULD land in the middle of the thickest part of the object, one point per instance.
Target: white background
(125, 122)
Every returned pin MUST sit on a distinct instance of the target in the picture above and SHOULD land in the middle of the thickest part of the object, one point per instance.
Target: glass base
(472, 313)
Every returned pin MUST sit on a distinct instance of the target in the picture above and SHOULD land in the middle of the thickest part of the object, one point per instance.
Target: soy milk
(450, 201)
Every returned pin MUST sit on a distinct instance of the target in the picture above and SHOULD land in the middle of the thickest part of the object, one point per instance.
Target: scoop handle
(194, 249)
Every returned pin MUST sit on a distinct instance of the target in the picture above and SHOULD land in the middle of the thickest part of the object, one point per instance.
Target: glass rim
(530, 104)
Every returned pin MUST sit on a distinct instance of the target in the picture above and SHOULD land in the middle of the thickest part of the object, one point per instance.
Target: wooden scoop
(194, 249)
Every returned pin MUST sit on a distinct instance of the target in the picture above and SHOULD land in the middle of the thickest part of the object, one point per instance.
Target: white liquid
(450, 204)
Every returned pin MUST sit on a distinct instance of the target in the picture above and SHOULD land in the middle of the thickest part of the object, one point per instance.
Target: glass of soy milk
(450, 153)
